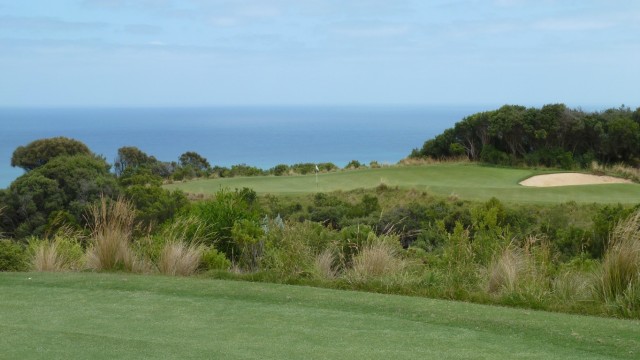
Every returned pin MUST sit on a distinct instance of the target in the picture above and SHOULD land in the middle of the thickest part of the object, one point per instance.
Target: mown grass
(465, 181)
(105, 316)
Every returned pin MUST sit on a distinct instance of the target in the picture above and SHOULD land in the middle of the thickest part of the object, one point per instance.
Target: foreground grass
(466, 181)
(105, 316)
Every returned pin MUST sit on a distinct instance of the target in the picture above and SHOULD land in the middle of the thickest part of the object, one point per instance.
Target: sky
(318, 52)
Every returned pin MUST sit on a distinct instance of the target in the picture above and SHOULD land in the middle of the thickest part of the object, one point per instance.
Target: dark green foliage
(353, 164)
(221, 213)
(69, 183)
(553, 136)
(195, 160)
(131, 158)
(13, 256)
(39, 152)
(280, 170)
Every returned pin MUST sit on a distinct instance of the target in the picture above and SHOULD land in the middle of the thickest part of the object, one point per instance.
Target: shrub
(286, 251)
(180, 258)
(12, 256)
(212, 259)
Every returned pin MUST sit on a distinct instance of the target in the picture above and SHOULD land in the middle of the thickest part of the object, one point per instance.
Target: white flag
(317, 168)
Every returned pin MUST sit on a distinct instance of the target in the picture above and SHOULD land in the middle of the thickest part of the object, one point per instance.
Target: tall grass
(618, 281)
(63, 253)
(377, 259)
(182, 250)
(620, 170)
(112, 224)
(180, 258)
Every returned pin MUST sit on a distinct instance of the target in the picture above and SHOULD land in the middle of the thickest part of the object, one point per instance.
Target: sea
(256, 136)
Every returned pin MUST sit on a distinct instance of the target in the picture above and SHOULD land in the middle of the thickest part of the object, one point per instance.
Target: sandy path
(565, 179)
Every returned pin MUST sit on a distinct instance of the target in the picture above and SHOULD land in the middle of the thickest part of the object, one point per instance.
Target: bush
(13, 256)
(212, 259)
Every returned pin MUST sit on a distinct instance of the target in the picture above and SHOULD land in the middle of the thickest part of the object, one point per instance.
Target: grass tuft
(112, 225)
(180, 259)
(619, 278)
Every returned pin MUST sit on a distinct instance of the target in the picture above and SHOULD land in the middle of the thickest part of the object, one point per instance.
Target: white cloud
(572, 24)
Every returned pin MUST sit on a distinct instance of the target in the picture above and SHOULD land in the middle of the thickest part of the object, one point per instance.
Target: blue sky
(320, 52)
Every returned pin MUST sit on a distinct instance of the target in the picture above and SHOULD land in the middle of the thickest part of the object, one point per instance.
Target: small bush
(13, 256)
(212, 259)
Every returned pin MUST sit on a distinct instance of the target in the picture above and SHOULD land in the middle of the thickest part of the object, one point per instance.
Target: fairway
(466, 181)
(106, 316)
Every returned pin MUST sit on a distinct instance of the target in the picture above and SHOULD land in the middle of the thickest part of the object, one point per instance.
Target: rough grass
(619, 278)
(180, 258)
(463, 181)
(112, 225)
(125, 316)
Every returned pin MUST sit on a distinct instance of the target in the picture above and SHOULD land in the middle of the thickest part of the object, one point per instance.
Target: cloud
(48, 24)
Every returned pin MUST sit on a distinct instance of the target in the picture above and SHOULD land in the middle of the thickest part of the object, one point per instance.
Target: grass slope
(106, 316)
(467, 181)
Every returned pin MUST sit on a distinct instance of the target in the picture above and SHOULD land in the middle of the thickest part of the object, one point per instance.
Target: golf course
(106, 316)
(464, 180)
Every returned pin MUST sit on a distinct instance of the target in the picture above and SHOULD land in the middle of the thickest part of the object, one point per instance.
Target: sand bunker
(566, 179)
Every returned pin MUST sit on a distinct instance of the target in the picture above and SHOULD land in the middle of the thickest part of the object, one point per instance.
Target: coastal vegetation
(552, 136)
(451, 230)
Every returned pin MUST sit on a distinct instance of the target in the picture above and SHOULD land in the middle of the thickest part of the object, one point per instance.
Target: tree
(40, 152)
(130, 157)
(69, 183)
(193, 159)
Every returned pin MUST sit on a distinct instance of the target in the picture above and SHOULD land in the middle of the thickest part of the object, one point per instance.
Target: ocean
(257, 136)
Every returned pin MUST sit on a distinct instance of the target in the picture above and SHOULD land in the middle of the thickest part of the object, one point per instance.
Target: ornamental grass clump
(112, 224)
(618, 282)
(179, 258)
(380, 257)
(60, 254)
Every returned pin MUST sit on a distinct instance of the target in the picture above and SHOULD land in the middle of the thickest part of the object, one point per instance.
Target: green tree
(40, 152)
(195, 160)
(69, 183)
(130, 157)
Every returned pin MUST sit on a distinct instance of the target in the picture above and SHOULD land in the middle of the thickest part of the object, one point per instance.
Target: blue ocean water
(258, 136)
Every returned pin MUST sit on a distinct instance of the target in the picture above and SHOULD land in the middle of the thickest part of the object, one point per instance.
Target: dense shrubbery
(552, 136)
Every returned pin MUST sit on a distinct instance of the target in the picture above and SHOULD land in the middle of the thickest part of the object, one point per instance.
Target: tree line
(553, 135)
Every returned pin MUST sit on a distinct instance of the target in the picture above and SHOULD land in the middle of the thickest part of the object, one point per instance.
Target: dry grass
(46, 257)
(324, 265)
(618, 282)
(506, 270)
(112, 225)
(378, 259)
(179, 258)
(63, 253)
(523, 270)
(409, 161)
(619, 170)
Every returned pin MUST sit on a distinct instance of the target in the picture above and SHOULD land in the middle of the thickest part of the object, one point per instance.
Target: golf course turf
(107, 316)
(466, 181)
